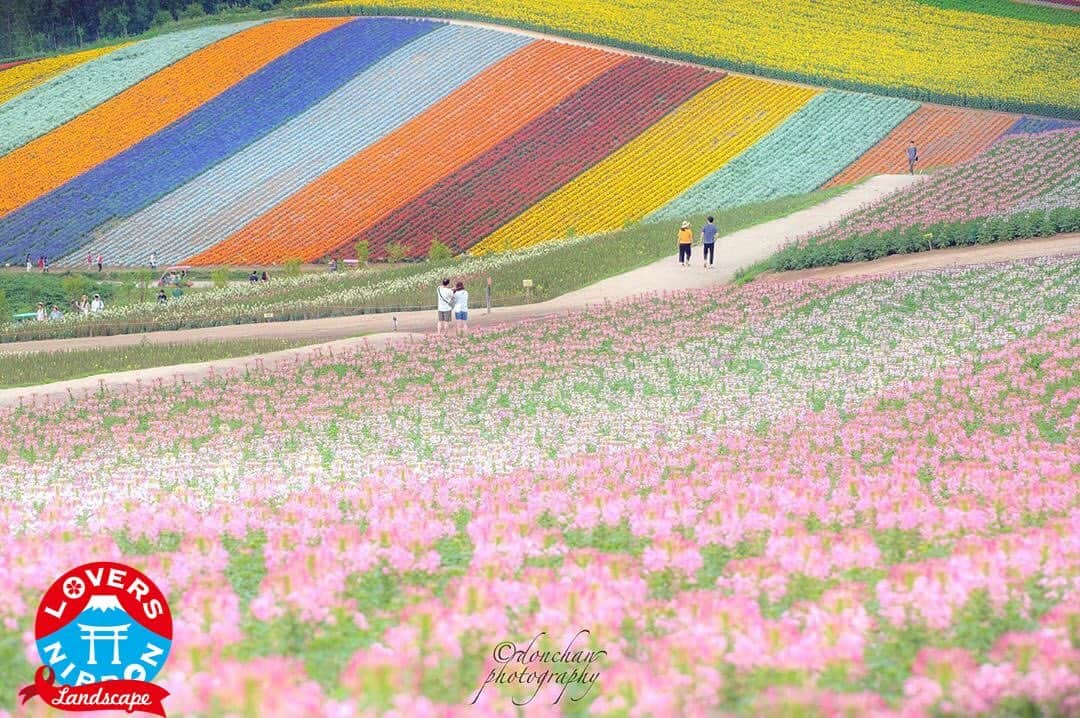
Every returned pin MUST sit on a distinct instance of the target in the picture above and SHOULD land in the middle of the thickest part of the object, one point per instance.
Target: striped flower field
(295, 139)
(987, 53)
(786, 499)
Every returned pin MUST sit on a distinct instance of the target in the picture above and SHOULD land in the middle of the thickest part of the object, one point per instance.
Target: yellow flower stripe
(21, 78)
(905, 45)
(661, 163)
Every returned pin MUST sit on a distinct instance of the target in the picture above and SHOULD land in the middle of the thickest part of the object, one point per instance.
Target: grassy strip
(1012, 9)
(33, 368)
(916, 238)
(23, 290)
(723, 63)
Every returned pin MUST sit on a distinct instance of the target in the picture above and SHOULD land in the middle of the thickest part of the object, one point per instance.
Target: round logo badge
(103, 621)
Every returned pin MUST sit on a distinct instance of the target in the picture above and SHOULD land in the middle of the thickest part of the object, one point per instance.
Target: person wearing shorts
(461, 308)
(444, 296)
(686, 241)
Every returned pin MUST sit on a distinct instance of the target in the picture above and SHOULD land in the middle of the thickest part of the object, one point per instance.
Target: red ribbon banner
(129, 696)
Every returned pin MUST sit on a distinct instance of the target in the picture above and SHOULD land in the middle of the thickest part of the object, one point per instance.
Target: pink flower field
(789, 499)
(1022, 172)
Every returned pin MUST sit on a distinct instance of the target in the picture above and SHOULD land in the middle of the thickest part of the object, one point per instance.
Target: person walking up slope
(686, 241)
(912, 156)
(444, 296)
(708, 242)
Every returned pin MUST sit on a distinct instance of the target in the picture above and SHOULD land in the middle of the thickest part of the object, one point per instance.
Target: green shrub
(911, 240)
(363, 251)
(291, 267)
(881, 243)
(1063, 219)
(952, 235)
(143, 279)
(438, 251)
(127, 289)
(1019, 225)
(75, 286)
(220, 277)
(1046, 225)
(395, 252)
(5, 308)
(162, 17)
(996, 228)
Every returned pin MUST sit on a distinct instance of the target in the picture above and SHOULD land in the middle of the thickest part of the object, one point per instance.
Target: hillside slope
(298, 138)
(952, 54)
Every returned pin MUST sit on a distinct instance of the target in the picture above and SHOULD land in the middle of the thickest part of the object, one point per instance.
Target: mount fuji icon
(104, 603)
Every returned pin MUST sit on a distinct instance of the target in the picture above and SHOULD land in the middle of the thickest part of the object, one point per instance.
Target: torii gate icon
(93, 634)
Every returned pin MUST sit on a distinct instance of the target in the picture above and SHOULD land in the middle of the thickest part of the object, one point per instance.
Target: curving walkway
(733, 251)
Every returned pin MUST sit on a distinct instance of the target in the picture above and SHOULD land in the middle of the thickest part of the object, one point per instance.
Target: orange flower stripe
(329, 213)
(944, 136)
(27, 75)
(138, 112)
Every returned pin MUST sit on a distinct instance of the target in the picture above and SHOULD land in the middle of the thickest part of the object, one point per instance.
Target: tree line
(37, 27)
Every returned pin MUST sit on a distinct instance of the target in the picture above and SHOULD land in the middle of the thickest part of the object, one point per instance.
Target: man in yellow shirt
(686, 240)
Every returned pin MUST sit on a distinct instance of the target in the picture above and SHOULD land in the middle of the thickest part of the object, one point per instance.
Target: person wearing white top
(42, 315)
(97, 305)
(461, 308)
(445, 296)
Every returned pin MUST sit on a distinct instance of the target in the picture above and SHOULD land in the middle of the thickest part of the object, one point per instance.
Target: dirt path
(340, 334)
(1062, 244)
(732, 252)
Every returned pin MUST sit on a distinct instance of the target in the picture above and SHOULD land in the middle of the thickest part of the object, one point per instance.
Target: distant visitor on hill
(263, 277)
(461, 308)
(89, 261)
(54, 312)
(686, 241)
(153, 260)
(253, 277)
(444, 297)
(708, 242)
(41, 315)
(912, 156)
(161, 298)
(29, 265)
(96, 305)
(99, 262)
(83, 305)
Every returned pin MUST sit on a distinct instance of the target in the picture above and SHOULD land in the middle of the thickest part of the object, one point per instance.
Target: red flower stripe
(466, 206)
(6, 65)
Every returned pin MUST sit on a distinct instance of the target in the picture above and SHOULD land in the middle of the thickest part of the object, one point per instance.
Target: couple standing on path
(90, 261)
(708, 243)
(453, 304)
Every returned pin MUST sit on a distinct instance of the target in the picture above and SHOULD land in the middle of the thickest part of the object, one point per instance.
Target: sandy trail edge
(1059, 245)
